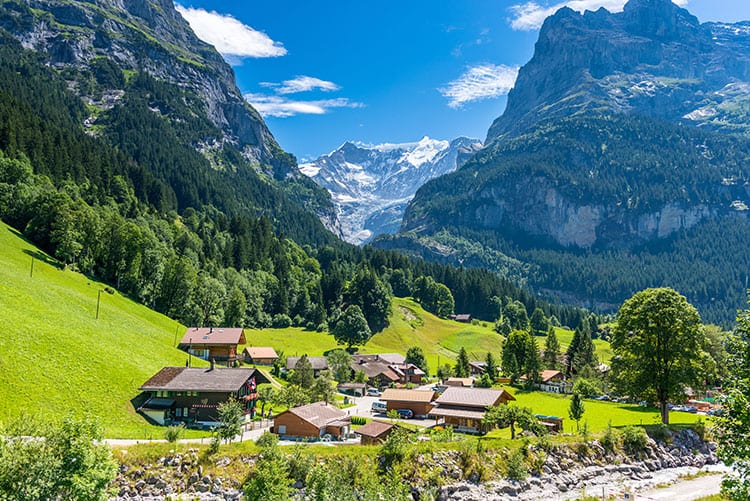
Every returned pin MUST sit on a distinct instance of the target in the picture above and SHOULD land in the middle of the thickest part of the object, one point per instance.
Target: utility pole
(31, 273)
(98, 298)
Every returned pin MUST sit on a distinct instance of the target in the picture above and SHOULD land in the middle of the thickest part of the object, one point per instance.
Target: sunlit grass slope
(56, 358)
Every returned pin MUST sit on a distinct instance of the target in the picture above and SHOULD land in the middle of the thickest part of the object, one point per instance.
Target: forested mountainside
(371, 185)
(590, 193)
(122, 193)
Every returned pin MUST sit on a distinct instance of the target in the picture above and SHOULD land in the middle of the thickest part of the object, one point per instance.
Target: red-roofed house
(260, 355)
(217, 343)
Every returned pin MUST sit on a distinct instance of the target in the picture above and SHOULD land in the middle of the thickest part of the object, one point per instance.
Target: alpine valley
(620, 162)
(371, 185)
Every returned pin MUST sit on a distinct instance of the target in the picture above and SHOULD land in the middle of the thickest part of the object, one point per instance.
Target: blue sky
(324, 72)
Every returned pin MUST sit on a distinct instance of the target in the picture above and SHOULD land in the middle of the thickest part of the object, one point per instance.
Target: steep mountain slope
(596, 181)
(138, 62)
(371, 185)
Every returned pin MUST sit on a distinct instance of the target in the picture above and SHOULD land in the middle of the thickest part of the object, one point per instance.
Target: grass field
(598, 415)
(57, 359)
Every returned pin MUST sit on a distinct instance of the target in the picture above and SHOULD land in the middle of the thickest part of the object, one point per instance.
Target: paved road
(686, 490)
(363, 407)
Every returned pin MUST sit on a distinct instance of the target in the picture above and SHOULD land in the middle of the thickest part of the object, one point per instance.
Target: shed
(312, 421)
(260, 355)
(374, 432)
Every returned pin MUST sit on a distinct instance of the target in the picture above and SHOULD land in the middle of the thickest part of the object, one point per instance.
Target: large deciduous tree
(415, 355)
(658, 347)
(733, 426)
(352, 328)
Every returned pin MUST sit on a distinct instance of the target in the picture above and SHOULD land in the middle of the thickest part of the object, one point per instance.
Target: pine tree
(490, 366)
(576, 409)
(551, 349)
(462, 368)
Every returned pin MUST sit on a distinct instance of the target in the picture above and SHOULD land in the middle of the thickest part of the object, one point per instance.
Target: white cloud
(304, 83)
(531, 15)
(230, 37)
(281, 106)
(480, 82)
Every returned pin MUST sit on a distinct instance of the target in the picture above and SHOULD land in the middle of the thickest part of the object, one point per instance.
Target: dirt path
(686, 490)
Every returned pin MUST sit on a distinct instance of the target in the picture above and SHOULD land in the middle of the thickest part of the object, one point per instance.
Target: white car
(373, 392)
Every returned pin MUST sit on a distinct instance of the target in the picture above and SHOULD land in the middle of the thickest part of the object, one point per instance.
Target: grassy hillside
(56, 358)
(410, 325)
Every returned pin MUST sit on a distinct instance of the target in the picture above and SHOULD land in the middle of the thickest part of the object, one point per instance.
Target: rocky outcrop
(151, 36)
(654, 58)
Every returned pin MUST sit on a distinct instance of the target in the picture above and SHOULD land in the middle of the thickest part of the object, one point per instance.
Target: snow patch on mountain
(371, 185)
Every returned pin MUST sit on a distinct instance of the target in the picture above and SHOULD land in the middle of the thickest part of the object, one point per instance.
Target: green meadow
(56, 358)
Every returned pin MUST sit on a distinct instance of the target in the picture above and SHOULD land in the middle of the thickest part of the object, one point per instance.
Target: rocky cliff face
(371, 185)
(654, 58)
(151, 36)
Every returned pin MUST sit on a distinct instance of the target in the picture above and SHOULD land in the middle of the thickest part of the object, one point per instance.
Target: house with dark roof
(477, 368)
(193, 395)
(552, 381)
(312, 422)
(417, 401)
(213, 343)
(384, 369)
(260, 355)
(464, 408)
(374, 432)
(318, 364)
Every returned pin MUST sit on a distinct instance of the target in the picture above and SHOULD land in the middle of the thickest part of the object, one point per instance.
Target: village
(376, 393)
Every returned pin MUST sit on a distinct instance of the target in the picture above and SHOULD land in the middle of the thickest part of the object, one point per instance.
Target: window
(178, 412)
(185, 411)
(282, 429)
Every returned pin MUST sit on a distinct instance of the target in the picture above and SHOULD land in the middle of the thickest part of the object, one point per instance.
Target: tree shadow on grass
(41, 256)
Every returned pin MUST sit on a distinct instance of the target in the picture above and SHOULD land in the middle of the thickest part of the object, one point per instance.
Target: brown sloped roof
(375, 429)
(460, 412)
(201, 379)
(318, 414)
(397, 395)
(472, 397)
(374, 369)
(260, 352)
(547, 375)
(197, 336)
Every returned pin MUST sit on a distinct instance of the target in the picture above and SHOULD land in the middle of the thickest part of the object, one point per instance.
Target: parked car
(373, 392)
(379, 407)
(405, 413)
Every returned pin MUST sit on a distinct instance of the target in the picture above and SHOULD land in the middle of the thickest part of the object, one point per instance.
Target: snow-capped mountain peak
(372, 184)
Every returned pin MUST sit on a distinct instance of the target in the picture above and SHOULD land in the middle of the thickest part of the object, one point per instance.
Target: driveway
(363, 407)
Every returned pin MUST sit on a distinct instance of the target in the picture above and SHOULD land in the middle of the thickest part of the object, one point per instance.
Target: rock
(222, 462)
(206, 479)
(202, 487)
(193, 478)
(140, 485)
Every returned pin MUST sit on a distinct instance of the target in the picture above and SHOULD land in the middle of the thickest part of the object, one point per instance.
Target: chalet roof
(481, 365)
(260, 352)
(319, 414)
(472, 397)
(388, 358)
(375, 369)
(463, 317)
(460, 412)
(375, 429)
(197, 336)
(462, 381)
(201, 379)
(396, 395)
(318, 363)
(352, 386)
(547, 375)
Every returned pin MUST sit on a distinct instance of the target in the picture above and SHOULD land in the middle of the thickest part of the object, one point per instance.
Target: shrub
(359, 420)
(267, 440)
(611, 439)
(213, 446)
(634, 439)
(173, 433)
(586, 387)
(516, 468)
(660, 432)
(281, 321)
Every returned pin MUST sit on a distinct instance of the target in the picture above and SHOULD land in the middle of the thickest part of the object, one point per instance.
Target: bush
(660, 432)
(586, 387)
(611, 439)
(213, 446)
(359, 420)
(516, 468)
(281, 321)
(173, 433)
(634, 439)
(267, 440)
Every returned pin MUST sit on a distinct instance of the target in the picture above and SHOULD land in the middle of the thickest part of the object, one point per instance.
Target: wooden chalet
(312, 422)
(464, 408)
(418, 401)
(552, 381)
(387, 368)
(477, 368)
(353, 389)
(260, 355)
(192, 395)
(213, 343)
(318, 364)
(374, 432)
